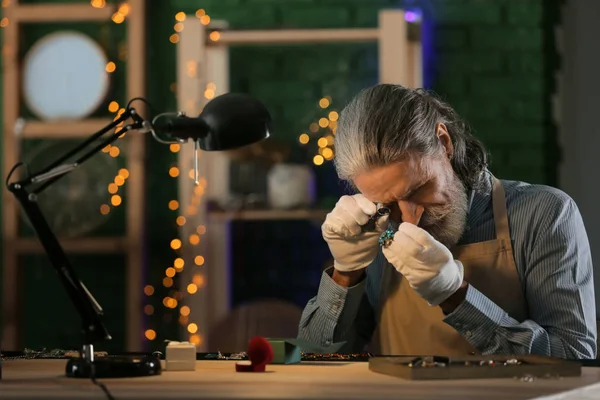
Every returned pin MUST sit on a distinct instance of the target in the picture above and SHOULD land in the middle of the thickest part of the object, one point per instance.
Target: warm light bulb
(175, 244)
(304, 138)
(148, 290)
(167, 282)
(174, 148)
(205, 20)
(200, 13)
(178, 27)
(323, 122)
(192, 328)
(115, 200)
(114, 151)
(170, 272)
(106, 149)
(124, 173)
(214, 36)
(96, 3)
(198, 280)
(322, 142)
(150, 334)
(196, 339)
(318, 160)
(180, 16)
(199, 260)
(314, 127)
(118, 18)
(124, 9)
(333, 116)
(113, 106)
(111, 67)
(180, 220)
(174, 172)
(324, 102)
(330, 140)
(194, 239)
(173, 205)
(191, 288)
(185, 311)
(178, 263)
(327, 153)
(119, 180)
(201, 229)
(174, 38)
(209, 94)
(104, 209)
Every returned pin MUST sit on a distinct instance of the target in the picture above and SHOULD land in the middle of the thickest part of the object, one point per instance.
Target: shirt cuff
(333, 299)
(477, 318)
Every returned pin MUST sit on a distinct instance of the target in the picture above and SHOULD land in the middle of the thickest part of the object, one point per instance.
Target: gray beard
(447, 223)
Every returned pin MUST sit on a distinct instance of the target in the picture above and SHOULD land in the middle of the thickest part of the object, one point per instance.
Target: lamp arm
(88, 308)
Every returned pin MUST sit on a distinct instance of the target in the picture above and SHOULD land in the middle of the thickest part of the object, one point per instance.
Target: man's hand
(352, 249)
(427, 265)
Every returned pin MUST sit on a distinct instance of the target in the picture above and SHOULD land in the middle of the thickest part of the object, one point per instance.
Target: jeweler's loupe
(370, 226)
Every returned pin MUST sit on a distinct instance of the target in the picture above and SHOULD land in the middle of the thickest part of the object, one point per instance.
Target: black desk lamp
(228, 121)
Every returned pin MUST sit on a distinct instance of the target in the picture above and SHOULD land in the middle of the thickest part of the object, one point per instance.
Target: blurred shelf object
(92, 245)
(61, 12)
(258, 215)
(64, 129)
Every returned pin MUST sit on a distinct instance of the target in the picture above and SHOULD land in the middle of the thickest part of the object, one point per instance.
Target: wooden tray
(473, 367)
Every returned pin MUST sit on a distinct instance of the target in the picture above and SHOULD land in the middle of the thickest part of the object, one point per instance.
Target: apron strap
(499, 209)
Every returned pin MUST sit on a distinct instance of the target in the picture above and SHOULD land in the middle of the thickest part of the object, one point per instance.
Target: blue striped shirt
(553, 260)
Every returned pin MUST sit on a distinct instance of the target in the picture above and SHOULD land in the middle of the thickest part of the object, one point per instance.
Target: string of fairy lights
(185, 212)
(324, 129)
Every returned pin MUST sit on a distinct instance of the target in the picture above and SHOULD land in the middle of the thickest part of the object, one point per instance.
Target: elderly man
(475, 265)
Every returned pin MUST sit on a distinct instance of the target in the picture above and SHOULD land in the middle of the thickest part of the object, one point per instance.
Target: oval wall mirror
(64, 76)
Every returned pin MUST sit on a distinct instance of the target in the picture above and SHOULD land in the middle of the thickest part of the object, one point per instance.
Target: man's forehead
(391, 183)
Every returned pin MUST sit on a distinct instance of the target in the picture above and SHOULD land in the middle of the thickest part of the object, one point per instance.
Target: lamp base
(114, 367)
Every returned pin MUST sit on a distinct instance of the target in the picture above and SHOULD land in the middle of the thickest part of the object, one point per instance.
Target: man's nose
(411, 212)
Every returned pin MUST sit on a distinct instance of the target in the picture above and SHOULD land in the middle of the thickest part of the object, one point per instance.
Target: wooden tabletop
(310, 380)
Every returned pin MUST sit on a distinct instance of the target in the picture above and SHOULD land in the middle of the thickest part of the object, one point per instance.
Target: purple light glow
(411, 16)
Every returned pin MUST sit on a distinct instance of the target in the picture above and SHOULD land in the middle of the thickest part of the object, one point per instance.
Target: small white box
(180, 356)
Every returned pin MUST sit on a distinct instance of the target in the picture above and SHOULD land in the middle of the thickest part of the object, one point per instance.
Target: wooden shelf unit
(267, 215)
(64, 129)
(202, 60)
(16, 129)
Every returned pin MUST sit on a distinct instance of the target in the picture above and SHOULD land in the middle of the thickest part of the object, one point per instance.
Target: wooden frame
(16, 129)
(202, 59)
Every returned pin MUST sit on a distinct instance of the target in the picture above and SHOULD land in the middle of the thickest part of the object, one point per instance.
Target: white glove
(427, 265)
(351, 248)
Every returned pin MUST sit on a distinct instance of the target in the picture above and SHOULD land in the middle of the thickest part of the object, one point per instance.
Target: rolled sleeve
(338, 302)
(477, 318)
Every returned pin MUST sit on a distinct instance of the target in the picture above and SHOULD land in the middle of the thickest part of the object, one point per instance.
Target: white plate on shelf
(64, 76)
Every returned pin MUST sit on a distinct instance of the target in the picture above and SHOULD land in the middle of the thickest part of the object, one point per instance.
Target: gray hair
(384, 123)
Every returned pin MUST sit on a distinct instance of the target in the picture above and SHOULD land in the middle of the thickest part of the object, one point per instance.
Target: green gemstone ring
(386, 237)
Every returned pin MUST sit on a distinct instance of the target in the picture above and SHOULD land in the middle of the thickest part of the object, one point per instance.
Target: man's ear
(444, 137)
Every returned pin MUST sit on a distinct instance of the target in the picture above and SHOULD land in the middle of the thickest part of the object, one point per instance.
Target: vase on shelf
(291, 186)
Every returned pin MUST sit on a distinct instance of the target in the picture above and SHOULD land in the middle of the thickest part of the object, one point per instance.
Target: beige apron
(409, 326)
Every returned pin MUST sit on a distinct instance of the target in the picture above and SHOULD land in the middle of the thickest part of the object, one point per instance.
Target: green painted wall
(491, 63)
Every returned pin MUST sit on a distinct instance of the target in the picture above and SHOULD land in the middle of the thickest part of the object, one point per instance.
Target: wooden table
(36, 379)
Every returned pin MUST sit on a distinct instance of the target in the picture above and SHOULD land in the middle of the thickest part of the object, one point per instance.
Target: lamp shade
(234, 120)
